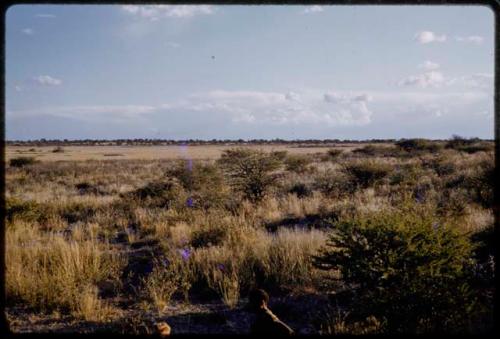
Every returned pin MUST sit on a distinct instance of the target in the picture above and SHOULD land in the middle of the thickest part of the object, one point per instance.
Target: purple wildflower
(185, 253)
(435, 226)
(221, 267)
(189, 202)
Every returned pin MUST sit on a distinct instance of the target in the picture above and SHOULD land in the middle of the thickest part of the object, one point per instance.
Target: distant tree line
(193, 142)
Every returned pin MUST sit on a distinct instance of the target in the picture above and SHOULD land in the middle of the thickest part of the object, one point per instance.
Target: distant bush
(279, 155)
(58, 149)
(411, 145)
(457, 142)
(442, 165)
(334, 184)
(249, 171)
(22, 161)
(375, 150)
(297, 163)
(158, 194)
(477, 147)
(366, 173)
(333, 153)
(409, 270)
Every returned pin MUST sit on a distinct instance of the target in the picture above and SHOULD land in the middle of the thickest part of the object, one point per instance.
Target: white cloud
(426, 37)
(476, 80)
(155, 12)
(96, 113)
(429, 65)
(424, 80)
(45, 16)
(274, 108)
(475, 39)
(28, 31)
(18, 88)
(47, 80)
(313, 9)
(292, 96)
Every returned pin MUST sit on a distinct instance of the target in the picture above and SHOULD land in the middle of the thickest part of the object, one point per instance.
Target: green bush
(249, 171)
(408, 268)
(22, 161)
(366, 173)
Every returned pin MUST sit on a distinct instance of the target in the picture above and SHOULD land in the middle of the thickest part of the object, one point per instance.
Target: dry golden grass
(59, 252)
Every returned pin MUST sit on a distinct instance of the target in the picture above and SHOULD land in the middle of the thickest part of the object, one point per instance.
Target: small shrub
(366, 173)
(297, 163)
(334, 184)
(208, 236)
(477, 147)
(159, 194)
(375, 150)
(279, 155)
(333, 153)
(408, 268)
(167, 277)
(412, 145)
(301, 190)
(204, 182)
(22, 161)
(58, 149)
(23, 210)
(249, 171)
(457, 142)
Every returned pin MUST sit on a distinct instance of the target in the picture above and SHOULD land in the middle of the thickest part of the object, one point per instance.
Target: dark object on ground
(265, 322)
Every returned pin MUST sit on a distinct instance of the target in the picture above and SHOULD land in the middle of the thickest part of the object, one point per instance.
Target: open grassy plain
(114, 239)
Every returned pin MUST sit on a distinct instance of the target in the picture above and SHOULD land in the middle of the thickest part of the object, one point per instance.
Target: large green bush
(408, 268)
(249, 171)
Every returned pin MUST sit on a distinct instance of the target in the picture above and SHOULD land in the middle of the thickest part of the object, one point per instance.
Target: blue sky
(292, 72)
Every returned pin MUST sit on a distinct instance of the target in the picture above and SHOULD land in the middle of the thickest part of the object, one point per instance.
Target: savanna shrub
(376, 150)
(333, 153)
(205, 182)
(158, 194)
(365, 173)
(457, 142)
(301, 190)
(22, 161)
(412, 145)
(208, 236)
(249, 171)
(409, 269)
(297, 163)
(24, 210)
(334, 184)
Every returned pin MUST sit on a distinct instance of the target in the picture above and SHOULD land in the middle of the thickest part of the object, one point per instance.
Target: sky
(249, 72)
